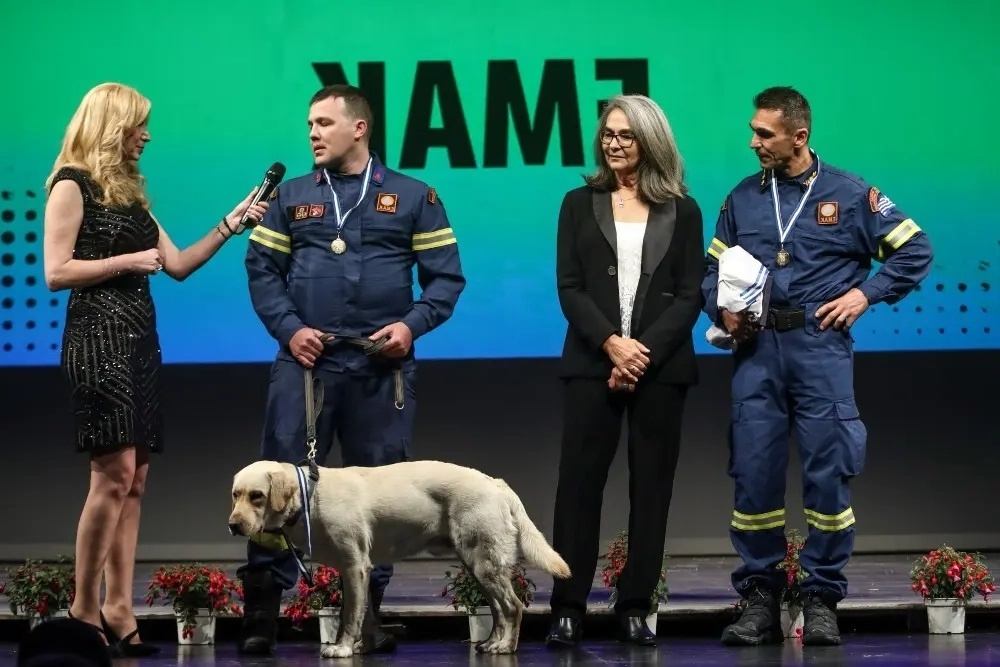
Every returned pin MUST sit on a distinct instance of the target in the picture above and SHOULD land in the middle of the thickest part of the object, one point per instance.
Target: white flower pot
(480, 624)
(35, 619)
(792, 620)
(651, 621)
(204, 629)
(329, 624)
(945, 616)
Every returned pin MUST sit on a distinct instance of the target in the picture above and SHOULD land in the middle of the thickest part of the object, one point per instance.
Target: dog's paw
(337, 651)
(498, 648)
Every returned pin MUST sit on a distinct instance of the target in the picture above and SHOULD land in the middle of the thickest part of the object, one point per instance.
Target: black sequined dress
(110, 348)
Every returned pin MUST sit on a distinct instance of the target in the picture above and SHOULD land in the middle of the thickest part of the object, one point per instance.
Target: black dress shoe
(565, 631)
(634, 630)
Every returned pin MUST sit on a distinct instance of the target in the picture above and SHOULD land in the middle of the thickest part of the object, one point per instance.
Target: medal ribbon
(342, 217)
(783, 231)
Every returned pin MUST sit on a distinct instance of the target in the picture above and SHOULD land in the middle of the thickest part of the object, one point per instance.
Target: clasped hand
(308, 343)
(630, 360)
(739, 325)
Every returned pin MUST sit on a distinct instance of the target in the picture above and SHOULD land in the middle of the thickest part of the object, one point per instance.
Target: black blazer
(668, 298)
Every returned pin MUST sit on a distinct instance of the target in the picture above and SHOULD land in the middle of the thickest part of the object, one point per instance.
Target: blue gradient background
(903, 94)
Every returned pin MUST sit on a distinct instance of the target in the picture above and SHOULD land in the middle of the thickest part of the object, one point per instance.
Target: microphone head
(276, 172)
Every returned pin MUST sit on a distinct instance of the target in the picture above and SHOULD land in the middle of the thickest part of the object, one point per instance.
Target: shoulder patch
(879, 203)
(431, 196)
(725, 203)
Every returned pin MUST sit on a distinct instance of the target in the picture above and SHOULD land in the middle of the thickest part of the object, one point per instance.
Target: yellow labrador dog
(361, 516)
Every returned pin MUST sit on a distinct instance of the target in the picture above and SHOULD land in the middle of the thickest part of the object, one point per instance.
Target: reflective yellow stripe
(831, 522)
(900, 234)
(271, 239)
(436, 239)
(270, 541)
(766, 521)
(716, 248)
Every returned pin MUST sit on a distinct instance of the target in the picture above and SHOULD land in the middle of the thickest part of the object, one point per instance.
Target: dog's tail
(534, 546)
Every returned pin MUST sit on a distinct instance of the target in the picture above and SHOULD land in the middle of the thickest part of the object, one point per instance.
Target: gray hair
(660, 167)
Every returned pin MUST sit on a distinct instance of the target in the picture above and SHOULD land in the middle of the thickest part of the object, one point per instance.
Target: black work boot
(820, 623)
(261, 605)
(760, 622)
(373, 638)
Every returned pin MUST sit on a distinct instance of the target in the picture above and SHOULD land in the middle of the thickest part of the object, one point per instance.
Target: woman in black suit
(629, 261)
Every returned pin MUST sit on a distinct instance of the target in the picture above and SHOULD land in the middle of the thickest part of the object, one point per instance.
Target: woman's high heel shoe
(113, 650)
(123, 644)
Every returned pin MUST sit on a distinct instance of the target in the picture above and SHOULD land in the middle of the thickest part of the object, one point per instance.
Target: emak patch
(386, 202)
(827, 213)
(306, 211)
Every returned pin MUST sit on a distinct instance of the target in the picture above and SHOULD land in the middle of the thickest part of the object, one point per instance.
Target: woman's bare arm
(63, 217)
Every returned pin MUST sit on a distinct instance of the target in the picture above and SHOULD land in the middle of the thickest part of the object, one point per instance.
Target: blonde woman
(629, 258)
(102, 243)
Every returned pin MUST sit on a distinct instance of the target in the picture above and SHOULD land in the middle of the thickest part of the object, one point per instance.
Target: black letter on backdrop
(632, 72)
(419, 136)
(557, 91)
(371, 79)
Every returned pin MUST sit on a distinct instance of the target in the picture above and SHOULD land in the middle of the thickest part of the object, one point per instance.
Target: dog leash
(314, 405)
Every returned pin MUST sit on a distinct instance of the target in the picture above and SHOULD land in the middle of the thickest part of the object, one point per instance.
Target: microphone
(271, 180)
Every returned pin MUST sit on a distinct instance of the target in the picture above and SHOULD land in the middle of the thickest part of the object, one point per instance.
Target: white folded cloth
(743, 285)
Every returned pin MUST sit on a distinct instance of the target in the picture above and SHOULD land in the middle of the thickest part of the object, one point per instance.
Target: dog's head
(265, 494)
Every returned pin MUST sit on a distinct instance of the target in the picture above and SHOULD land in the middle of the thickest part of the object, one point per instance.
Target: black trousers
(592, 422)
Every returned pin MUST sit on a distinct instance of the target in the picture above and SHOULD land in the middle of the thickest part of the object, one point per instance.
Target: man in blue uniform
(817, 229)
(335, 256)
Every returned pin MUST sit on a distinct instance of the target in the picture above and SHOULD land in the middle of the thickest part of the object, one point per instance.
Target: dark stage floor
(882, 621)
(970, 649)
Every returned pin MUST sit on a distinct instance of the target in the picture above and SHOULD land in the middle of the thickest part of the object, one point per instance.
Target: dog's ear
(281, 492)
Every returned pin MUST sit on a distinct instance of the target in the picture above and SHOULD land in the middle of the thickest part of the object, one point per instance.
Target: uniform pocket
(854, 437)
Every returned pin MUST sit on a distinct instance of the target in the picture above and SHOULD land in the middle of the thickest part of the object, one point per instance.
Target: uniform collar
(377, 177)
(803, 180)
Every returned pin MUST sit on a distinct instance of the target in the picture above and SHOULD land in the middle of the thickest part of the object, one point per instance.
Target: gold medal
(783, 257)
(338, 246)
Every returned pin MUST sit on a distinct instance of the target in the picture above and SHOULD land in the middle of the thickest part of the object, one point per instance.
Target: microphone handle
(263, 192)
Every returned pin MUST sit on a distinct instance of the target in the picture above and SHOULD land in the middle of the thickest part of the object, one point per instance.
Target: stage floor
(917, 650)
(877, 582)
(882, 619)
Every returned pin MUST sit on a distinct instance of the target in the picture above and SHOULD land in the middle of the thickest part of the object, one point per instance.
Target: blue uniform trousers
(801, 379)
(360, 410)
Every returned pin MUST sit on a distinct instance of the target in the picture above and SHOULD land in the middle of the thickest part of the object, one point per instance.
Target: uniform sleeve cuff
(416, 323)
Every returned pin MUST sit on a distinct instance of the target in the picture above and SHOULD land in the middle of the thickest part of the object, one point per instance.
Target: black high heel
(124, 646)
(112, 647)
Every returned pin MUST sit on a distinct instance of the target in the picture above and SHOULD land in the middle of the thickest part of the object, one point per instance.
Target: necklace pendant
(783, 257)
(338, 246)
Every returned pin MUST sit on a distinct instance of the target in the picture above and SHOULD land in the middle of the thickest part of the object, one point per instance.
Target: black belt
(785, 320)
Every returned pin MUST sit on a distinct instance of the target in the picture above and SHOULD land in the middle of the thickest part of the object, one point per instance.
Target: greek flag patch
(879, 203)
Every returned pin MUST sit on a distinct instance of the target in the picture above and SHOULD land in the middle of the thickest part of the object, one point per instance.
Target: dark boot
(820, 623)
(564, 632)
(760, 622)
(262, 602)
(373, 638)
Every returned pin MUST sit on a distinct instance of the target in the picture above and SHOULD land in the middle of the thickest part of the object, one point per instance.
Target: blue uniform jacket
(844, 224)
(296, 280)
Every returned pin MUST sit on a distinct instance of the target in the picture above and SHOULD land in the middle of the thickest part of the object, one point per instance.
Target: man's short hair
(792, 104)
(354, 100)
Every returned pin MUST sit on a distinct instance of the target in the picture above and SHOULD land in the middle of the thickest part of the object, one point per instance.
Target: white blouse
(630, 237)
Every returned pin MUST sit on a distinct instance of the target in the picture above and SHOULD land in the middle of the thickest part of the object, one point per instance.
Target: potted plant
(466, 594)
(791, 600)
(40, 590)
(198, 594)
(324, 597)
(614, 559)
(947, 579)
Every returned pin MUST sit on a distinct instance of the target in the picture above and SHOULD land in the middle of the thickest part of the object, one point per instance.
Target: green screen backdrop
(903, 94)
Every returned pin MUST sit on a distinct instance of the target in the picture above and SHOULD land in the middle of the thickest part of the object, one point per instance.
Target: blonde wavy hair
(660, 169)
(94, 142)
